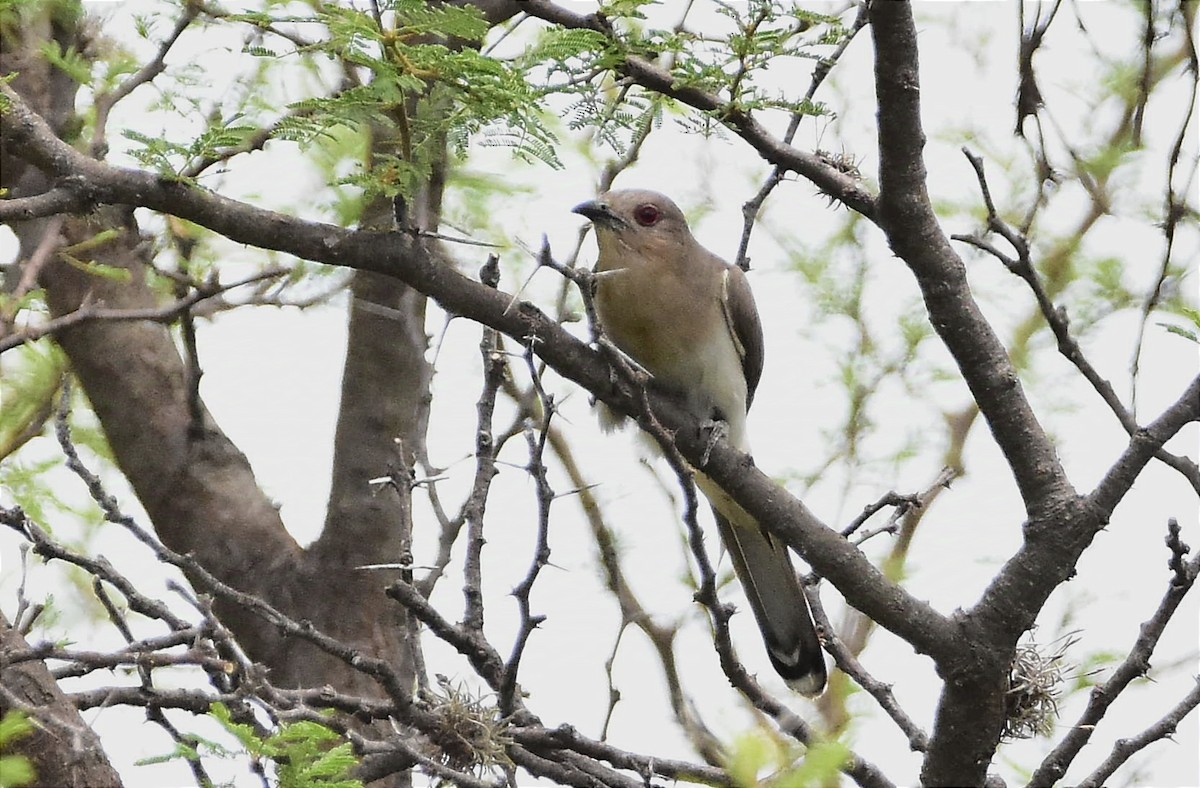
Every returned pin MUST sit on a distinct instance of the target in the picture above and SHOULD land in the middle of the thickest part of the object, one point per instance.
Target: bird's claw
(717, 430)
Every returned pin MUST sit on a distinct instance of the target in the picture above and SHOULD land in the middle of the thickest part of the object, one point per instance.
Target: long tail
(764, 568)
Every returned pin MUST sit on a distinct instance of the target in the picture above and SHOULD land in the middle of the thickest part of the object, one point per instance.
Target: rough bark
(386, 381)
(63, 750)
(197, 487)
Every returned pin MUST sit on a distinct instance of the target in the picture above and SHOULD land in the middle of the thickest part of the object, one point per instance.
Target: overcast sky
(272, 376)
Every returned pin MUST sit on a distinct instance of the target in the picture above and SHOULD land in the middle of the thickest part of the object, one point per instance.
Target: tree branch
(912, 229)
(824, 66)
(1124, 749)
(90, 311)
(832, 181)
(62, 749)
(1136, 664)
(399, 255)
(847, 662)
(106, 101)
(1143, 446)
(1056, 318)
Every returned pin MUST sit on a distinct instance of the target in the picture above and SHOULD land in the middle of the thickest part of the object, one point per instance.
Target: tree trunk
(196, 486)
(63, 750)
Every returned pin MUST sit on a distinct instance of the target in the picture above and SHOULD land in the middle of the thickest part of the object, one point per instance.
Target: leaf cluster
(169, 158)
(756, 752)
(415, 79)
(306, 754)
(15, 770)
(734, 66)
(577, 63)
(418, 80)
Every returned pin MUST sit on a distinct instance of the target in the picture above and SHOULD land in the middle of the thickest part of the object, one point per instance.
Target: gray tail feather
(764, 568)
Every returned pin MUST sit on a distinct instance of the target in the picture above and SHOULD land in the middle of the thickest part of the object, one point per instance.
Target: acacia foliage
(376, 98)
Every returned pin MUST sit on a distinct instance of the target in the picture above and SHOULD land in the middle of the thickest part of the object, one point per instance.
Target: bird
(689, 319)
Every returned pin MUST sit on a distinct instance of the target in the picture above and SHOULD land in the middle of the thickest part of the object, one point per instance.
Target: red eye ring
(647, 215)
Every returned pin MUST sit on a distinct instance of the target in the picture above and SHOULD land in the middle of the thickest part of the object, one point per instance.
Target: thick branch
(1143, 446)
(912, 229)
(62, 748)
(971, 710)
(829, 179)
(397, 254)
(1011, 603)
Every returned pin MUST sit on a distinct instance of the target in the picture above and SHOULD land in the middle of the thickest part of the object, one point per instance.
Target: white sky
(272, 381)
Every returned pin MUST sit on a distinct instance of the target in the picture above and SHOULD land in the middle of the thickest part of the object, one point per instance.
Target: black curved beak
(599, 214)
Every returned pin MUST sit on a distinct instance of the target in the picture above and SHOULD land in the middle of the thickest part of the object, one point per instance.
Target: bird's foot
(717, 430)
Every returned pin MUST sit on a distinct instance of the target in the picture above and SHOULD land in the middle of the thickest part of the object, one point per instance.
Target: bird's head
(636, 221)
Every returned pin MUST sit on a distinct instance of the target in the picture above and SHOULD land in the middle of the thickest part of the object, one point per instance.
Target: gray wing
(742, 316)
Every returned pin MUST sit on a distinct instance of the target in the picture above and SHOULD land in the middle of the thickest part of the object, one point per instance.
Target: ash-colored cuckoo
(688, 317)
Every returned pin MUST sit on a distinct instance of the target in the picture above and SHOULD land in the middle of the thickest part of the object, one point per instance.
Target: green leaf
(182, 751)
(13, 726)
(820, 766)
(242, 732)
(756, 752)
(627, 9)
(15, 770)
(751, 754)
(29, 394)
(112, 273)
(307, 753)
(69, 61)
(1182, 331)
(563, 44)
(1191, 313)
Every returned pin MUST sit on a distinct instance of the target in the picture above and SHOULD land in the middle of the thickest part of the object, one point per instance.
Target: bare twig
(495, 368)
(165, 314)
(50, 243)
(379, 670)
(1029, 97)
(822, 69)
(847, 662)
(1126, 748)
(1135, 665)
(470, 643)
(910, 504)
(1056, 318)
(106, 101)
(541, 550)
(1175, 207)
(565, 737)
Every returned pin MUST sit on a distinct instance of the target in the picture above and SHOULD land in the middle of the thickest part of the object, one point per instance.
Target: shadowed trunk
(196, 485)
(62, 749)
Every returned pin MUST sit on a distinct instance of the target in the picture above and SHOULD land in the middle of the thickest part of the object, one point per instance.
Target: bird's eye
(647, 215)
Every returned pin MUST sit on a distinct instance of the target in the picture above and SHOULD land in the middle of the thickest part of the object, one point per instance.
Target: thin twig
(1126, 748)
(541, 550)
(106, 101)
(1174, 201)
(1135, 664)
(822, 69)
(1056, 319)
(495, 368)
(89, 311)
(379, 670)
(847, 662)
